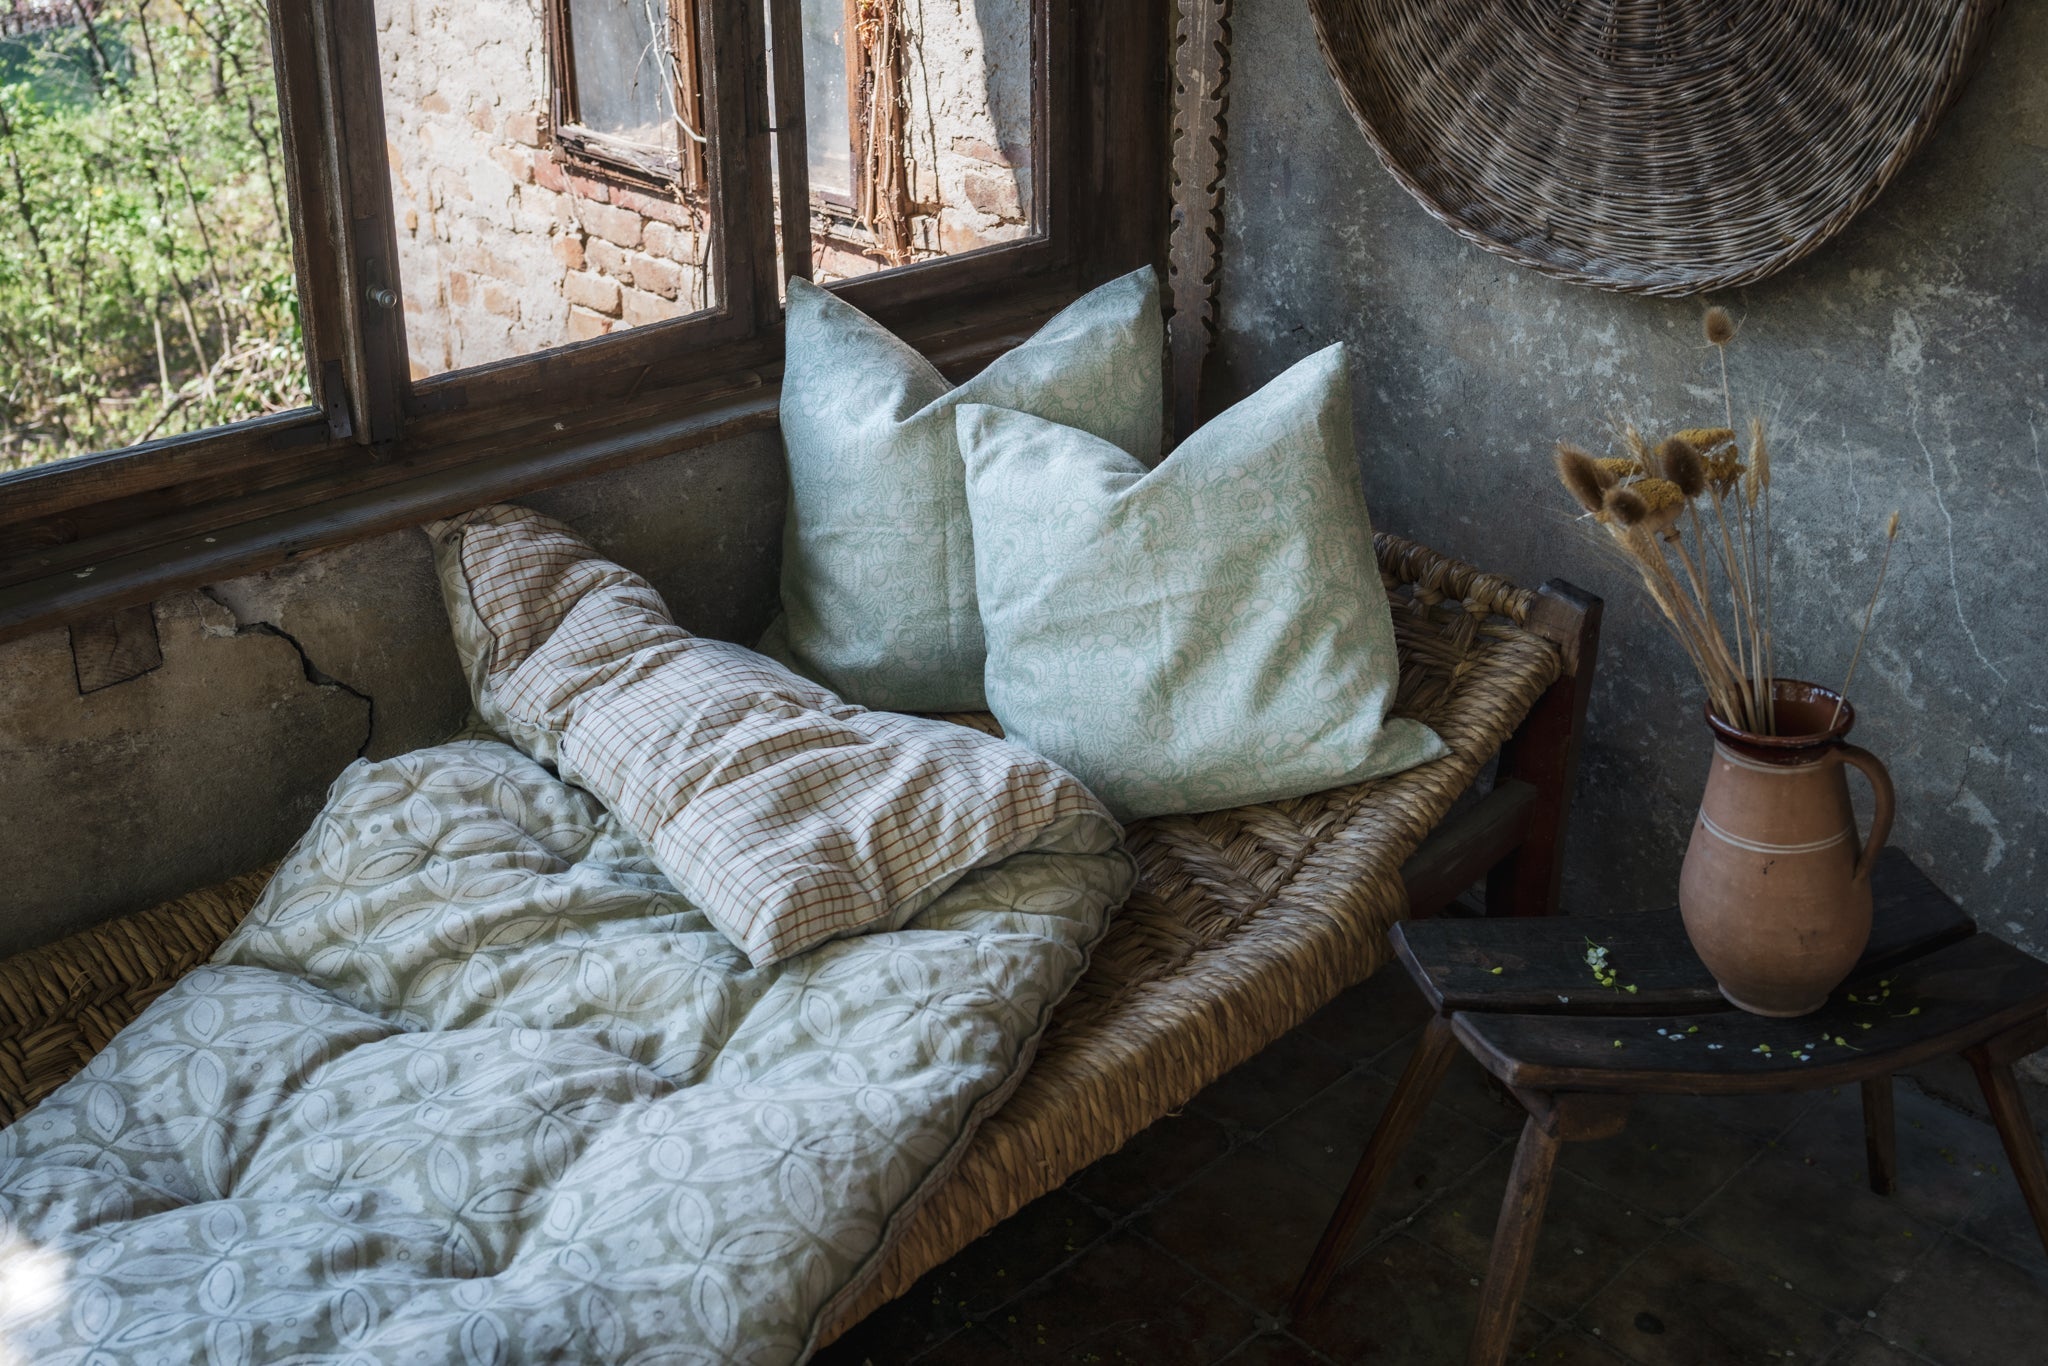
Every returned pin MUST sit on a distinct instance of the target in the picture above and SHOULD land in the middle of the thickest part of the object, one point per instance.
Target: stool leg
(1880, 1135)
(1417, 1088)
(2016, 1129)
(1514, 1243)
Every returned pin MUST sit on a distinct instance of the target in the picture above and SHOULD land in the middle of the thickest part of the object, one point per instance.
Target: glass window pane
(146, 285)
(624, 82)
(933, 154)
(831, 155)
(515, 236)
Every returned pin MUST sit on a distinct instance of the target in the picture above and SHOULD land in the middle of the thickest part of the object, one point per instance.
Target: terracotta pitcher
(1775, 890)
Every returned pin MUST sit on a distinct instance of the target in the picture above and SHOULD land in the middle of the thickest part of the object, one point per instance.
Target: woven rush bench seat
(1244, 923)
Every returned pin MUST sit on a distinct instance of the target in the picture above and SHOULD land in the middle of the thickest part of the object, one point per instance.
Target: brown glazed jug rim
(1808, 707)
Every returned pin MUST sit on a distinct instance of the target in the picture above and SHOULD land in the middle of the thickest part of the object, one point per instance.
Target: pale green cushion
(1202, 635)
(877, 554)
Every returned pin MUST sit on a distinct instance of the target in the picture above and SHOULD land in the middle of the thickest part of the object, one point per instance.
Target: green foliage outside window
(146, 283)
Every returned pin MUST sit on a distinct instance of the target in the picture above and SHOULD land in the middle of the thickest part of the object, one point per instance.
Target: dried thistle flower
(1626, 506)
(1580, 474)
(1719, 327)
(1716, 446)
(1680, 460)
(1707, 570)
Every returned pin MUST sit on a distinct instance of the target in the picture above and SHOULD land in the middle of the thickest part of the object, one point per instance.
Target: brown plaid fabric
(787, 816)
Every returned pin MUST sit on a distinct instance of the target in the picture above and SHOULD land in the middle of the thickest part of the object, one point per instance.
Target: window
(146, 283)
(829, 57)
(920, 118)
(624, 95)
(549, 192)
(525, 240)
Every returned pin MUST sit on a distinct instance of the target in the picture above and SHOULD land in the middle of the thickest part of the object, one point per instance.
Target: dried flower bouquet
(1692, 517)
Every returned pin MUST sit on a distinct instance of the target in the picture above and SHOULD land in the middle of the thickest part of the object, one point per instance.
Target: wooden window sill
(54, 585)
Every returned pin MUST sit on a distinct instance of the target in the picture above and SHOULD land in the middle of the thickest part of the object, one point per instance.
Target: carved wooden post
(1201, 70)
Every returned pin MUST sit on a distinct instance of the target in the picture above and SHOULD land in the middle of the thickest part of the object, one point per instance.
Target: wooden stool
(1522, 999)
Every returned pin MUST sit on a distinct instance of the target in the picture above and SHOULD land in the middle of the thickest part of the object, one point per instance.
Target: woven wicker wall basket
(1649, 146)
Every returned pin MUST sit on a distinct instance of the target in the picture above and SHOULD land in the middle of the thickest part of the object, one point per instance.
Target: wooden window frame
(379, 451)
(859, 223)
(594, 153)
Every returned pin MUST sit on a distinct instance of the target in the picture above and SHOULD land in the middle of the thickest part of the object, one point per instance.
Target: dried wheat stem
(1710, 647)
(1760, 470)
(1742, 607)
(1891, 533)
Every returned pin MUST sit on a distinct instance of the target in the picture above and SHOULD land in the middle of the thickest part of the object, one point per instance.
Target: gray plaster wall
(1902, 366)
(216, 761)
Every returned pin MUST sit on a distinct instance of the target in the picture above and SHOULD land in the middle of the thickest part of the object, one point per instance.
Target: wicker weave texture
(62, 1003)
(1245, 922)
(1648, 146)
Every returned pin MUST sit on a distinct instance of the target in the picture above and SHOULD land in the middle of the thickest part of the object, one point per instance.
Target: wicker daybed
(1244, 923)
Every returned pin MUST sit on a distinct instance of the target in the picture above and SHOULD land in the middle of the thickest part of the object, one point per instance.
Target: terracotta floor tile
(1370, 1018)
(975, 1346)
(1684, 1304)
(1328, 1136)
(1588, 1236)
(1665, 1163)
(988, 1272)
(1276, 1349)
(1766, 1117)
(1016, 1252)
(1963, 1306)
(1466, 1089)
(1949, 1162)
(1572, 1347)
(1160, 1159)
(2003, 1224)
(1248, 1223)
(1792, 1221)
(898, 1332)
(2001, 1220)
(1123, 1304)
(1868, 1349)
(1954, 1082)
(1260, 1092)
(1405, 1304)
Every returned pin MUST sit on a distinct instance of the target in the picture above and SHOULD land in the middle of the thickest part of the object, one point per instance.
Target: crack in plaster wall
(315, 675)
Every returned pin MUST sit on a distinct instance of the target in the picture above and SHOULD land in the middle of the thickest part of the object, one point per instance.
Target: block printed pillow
(1202, 635)
(877, 552)
(787, 816)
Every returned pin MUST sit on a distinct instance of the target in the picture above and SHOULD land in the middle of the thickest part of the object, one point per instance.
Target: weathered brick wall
(967, 84)
(502, 251)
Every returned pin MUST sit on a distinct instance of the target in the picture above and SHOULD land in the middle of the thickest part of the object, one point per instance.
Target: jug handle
(1881, 818)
